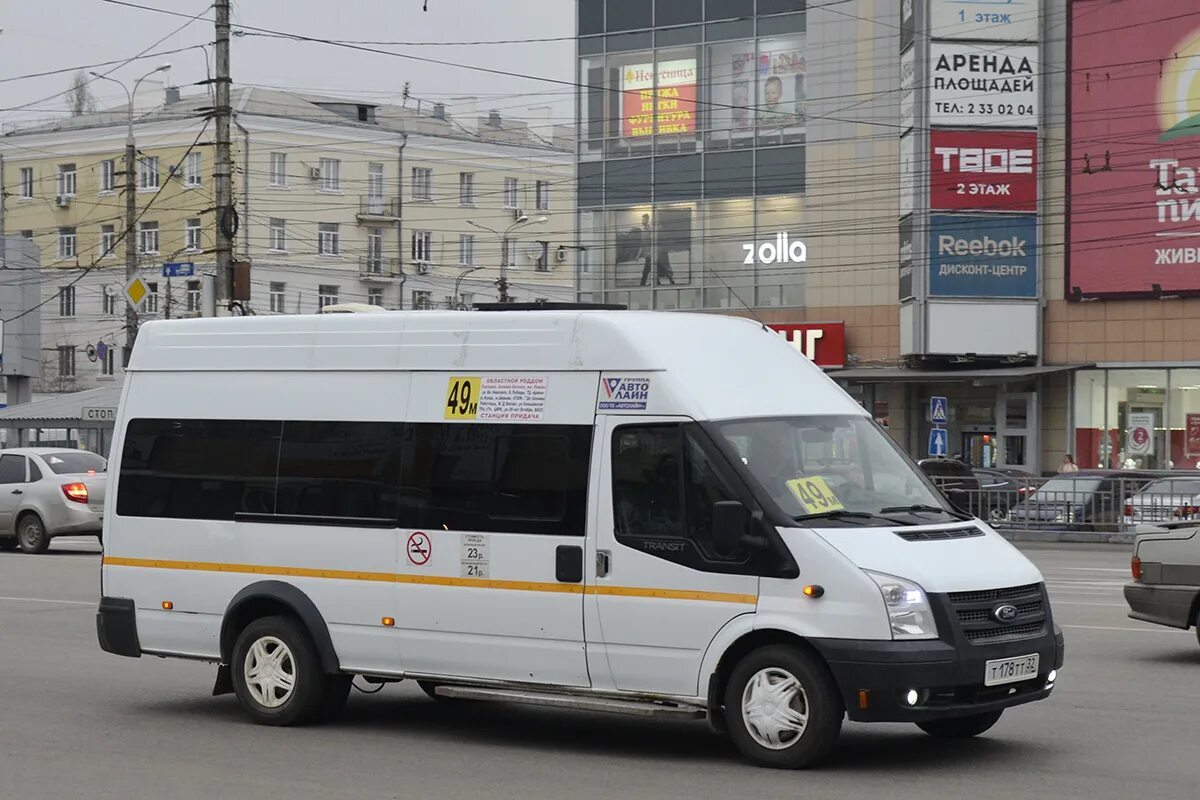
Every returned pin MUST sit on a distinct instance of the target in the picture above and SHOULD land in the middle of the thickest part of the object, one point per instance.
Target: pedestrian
(1068, 464)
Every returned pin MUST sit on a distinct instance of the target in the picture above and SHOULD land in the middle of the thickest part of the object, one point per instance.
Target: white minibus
(671, 515)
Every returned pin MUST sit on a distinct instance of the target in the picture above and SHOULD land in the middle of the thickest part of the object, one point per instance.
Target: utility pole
(131, 244)
(223, 172)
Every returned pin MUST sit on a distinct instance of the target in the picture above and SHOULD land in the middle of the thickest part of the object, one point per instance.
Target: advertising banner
(907, 23)
(984, 85)
(1139, 439)
(983, 170)
(824, 343)
(1134, 221)
(981, 255)
(990, 20)
(908, 75)
(671, 108)
(1192, 441)
(906, 258)
(908, 173)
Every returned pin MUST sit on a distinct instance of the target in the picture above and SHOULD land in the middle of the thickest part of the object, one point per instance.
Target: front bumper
(116, 627)
(948, 678)
(1162, 604)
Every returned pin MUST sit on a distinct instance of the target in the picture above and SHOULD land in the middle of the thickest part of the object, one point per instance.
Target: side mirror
(730, 522)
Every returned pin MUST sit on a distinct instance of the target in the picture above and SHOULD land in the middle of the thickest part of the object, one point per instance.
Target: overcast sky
(43, 35)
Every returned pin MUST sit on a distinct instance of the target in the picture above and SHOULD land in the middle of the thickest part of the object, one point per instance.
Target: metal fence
(1078, 502)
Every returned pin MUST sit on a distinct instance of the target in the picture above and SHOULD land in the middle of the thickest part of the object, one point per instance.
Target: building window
(375, 182)
(191, 235)
(375, 297)
(66, 301)
(66, 243)
(108, 300)
(27, 235)
(279, 169)
(375, 249)
(508, 252)
(327, 295)
(108, 176)
(108, 241)
(422, 247)
(193, 301)
(150, 304)
(148, 172)
(543, 195)
(466, 250)
(331, 178)
(148, 237)
(510, 192)
(278, 231)
(66, 180)
(26, 182)
(66, 361)
(277, 294)
(422, 183)
(108, 361)
(422, 300)
(466, 188)
(327, 239)
(191, 170)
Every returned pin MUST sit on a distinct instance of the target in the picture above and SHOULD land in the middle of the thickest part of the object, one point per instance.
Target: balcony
(375, 209)
(378, 268)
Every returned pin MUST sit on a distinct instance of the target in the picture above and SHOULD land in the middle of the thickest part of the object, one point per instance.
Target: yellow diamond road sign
(136, 291)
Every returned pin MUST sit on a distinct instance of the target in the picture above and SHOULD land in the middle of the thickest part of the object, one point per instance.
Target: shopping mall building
(993, 202)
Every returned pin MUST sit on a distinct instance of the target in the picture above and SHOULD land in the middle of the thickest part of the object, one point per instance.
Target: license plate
(1010, 670)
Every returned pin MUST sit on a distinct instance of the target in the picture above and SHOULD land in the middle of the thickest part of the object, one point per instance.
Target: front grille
(930, 536)
(973, 612)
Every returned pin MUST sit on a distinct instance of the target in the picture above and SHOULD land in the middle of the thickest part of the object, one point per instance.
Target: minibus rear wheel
(782, 707)
(277, 674)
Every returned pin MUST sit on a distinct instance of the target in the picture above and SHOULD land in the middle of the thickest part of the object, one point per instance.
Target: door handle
(18, 491)
(568, 564)
(603, 563)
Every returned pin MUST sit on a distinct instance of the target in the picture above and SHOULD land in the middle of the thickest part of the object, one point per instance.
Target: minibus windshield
(838, 468)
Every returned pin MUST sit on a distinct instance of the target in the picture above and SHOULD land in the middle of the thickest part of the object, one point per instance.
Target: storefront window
(728, 280)
(674, 100)
(781, 80)
(592, 107)
(731, 93)
(1121, 419)
(591, 259)
(780, 221)
(1185, 418)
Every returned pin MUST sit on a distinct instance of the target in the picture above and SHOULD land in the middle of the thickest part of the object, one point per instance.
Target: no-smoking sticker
(419, 549)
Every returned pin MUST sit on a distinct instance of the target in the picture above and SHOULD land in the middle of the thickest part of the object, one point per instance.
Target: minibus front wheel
(277, 674)
(782, 707)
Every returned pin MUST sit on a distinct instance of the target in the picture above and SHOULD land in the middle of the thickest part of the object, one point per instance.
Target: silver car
(47, 492)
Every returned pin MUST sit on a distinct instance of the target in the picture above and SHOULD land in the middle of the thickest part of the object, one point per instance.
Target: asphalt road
(78, 723)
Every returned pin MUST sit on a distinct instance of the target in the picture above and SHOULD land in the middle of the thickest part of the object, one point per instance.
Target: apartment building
(338, 201)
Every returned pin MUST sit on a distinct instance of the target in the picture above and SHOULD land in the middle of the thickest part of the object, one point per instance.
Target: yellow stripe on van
(432, 580)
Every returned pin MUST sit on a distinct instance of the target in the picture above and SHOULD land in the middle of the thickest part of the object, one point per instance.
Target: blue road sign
(179, 269)
(937, 410)
(937, 442)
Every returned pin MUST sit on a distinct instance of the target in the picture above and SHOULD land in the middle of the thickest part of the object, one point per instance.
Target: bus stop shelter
(81, 420)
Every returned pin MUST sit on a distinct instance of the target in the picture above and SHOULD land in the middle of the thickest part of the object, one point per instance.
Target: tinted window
(198, 469)
(780, 6)
(35, 474)
(591, 16)
(676, 12)
(503, 478)
(779, 170)
(677, 178)
(724, 9)
(729, 174)
(339, 469)
(624, 15)
(591, 183)
(628, 181)
(75, 463)
(12, 469)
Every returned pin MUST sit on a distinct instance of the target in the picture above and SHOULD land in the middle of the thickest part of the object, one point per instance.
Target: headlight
(908, 608)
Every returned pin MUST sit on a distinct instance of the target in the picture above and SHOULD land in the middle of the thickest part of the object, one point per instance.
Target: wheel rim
(775, 708)
(270, 672)
(31, 533)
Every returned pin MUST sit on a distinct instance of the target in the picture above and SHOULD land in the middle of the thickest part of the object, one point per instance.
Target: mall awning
(60, 411)
(905, 375)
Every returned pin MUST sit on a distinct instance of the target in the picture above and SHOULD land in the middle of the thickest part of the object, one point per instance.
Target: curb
(1076, 537)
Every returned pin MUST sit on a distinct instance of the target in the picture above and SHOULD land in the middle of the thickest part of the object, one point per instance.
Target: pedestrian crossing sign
(937, 410)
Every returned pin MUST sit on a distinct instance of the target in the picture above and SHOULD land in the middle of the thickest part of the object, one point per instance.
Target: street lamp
(458, 282)
(521, 219)
(130, 203)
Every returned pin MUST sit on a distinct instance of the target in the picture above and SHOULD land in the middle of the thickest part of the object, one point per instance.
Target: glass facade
(1137, 418)
(692, 152)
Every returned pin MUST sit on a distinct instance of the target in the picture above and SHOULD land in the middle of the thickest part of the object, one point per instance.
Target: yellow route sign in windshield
(815, 495)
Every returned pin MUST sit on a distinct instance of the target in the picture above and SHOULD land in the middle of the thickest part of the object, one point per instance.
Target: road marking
(47, 600)
(1083, 603)
(1090, 569)
(1134, 630)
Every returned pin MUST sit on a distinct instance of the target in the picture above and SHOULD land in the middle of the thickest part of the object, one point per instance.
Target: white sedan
(47, 492)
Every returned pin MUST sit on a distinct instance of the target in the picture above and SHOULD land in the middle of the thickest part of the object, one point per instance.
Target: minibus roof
(717, 367)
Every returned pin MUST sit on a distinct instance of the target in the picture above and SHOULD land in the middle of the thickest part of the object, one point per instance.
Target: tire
(763, 736)
(268, 700)
(31, 534)
(960, 727)
(8, 542)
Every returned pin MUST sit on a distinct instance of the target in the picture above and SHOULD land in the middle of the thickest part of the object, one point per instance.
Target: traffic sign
(420, 549)
(179, 269)
(937, 410)
(136, 291)
(937, 442)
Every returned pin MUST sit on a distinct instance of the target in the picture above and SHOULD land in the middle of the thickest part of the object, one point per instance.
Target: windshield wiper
(919, 508)
(841, 514)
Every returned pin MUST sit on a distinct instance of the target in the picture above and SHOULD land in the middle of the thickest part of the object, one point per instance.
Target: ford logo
(1005, 613)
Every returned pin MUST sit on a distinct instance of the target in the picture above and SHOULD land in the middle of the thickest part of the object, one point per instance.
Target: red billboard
(1134, 117)
(983, 170)
(669, 107)
(824, 343)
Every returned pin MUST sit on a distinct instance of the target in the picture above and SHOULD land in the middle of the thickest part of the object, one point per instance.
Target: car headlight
(908, 608)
